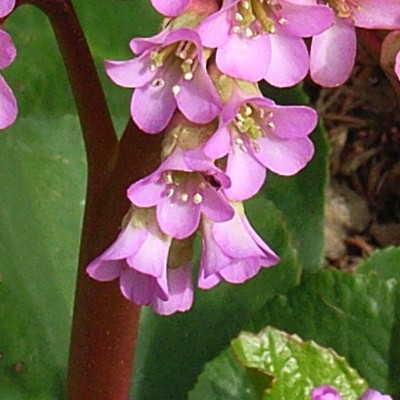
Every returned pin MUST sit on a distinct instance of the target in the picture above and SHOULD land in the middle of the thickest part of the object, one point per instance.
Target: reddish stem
(104, 324)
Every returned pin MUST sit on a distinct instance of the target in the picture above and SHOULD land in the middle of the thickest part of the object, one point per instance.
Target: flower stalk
(105, 325)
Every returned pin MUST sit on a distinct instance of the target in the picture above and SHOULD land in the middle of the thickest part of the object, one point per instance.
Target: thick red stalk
(104, 324)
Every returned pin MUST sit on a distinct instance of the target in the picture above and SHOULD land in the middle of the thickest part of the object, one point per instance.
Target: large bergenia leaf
(291, 369)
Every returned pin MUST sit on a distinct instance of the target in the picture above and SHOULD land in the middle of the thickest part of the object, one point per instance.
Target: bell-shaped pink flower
(139, 258)
(170, 72)
(232, 251)
(263, 40)
(333, 52)
(257, 134)
(183, 188)
(8, 103)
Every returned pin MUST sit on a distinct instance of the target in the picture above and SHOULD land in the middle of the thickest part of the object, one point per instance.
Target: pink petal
(8, 51)
(216, 29)
(233, 239)
(245, 58)
(132, 73)
(152, 106)
(140, 288)
(292, 121)
(374, 14)
(212, 259)
(397, 65)
(215, 206)
(198, 99)
(170, 8)
(151, 259)
(8, 105)
(246, 173)
(333, 53)
(372, 394)
(6, 6)
(147, 192)
(177, 218)
(140, 45)
(180, 292)
(105, 271)
(284, 157)
(305, 20)
(289, 61)
(127, 244)
(240, 271)
(219, 144)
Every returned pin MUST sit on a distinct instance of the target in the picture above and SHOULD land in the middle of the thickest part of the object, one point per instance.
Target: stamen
(184, 197)
(283, 21)
(236, 29)
(197, 198)
(271, 125)
(176, 89)
(248, 111)
(239, 17)
(170, 193)
(168, 178)
(188, 76)
(248, 32)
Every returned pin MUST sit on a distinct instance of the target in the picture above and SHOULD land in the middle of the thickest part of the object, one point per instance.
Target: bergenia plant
(202, 256)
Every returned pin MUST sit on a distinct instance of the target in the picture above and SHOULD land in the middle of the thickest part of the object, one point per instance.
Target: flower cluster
(326, 392)
(197, 82)
(8, 104)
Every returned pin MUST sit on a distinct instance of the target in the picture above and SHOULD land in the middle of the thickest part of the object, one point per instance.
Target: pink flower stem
(105, 325)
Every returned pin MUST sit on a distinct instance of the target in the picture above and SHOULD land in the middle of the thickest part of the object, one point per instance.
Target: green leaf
(385, 263)
(355, 314)
(42, 177)
(173, 351)
(296, 366)
(285, 367)
(301, 198)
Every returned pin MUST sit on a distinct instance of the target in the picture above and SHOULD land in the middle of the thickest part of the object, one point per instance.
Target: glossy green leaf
(172, 351)
(286, 367)
(42, 174)
(385, 263)
(355, 314)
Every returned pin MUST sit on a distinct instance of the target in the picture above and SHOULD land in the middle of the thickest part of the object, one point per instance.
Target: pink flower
(139, 258)
(263, 40)
(170, 8)
(333, 52)
(183, 188)
(170, 72)
(8, 103)
(257, 134)
(232, 251)
(325, 392)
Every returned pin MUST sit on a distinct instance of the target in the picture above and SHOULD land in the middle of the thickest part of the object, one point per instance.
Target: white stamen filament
(176, 89)
(197, 198)
(184, 197)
